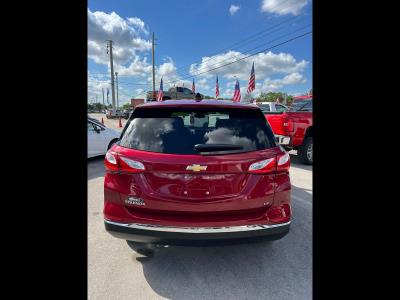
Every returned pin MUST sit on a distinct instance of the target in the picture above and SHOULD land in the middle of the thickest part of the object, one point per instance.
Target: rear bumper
(193, 236)
(283, 140)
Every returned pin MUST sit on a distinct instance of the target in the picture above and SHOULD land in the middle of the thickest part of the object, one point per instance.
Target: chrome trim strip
(196, 229)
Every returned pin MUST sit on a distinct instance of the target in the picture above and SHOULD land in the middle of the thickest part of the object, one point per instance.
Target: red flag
(236, 95)
(252, 81)
(217, 89)
(160, 92)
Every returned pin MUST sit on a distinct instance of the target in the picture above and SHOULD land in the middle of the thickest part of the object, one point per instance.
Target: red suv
(198, 173)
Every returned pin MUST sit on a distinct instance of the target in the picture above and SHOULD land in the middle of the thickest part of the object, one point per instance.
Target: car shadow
(302, 193)
(275, 270)
(95, 167)
(295, 161)
(251, 271)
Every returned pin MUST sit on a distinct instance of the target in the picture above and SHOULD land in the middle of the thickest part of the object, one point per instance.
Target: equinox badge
(196, 168)
(135, 201)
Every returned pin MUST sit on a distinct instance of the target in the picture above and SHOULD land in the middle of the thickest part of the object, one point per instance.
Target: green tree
(289, 100)
(98, 107)
(272, 96)
(268, 97)
(126, 106)
(247, 98)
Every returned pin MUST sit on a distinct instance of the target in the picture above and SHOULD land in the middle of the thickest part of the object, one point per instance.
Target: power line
(266, 32)
(132, 83)
(228, 59)
(236, 43)
(269, 48)
(241, 42)
(248, 51)
(123, 82)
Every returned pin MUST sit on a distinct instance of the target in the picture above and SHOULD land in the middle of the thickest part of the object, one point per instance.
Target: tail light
(129, 165)
(117, 163)
(283, 162)
(263, 166)
(288, 124)
(276, 164)
(111, 161)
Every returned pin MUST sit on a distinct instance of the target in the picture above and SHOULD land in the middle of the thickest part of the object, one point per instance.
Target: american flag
(193, 87)
(252, 81)
(160, 92)
(236, 95)
(217, 89)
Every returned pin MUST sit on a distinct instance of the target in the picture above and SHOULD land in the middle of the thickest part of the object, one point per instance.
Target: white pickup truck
(272, 107)
(118, 114)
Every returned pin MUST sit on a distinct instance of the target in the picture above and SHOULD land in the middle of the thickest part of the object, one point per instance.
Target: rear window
(264, 107)
(179, 130)
(302, 105)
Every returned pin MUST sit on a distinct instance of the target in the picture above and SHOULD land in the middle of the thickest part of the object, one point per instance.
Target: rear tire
(141, 248)
(306, 151)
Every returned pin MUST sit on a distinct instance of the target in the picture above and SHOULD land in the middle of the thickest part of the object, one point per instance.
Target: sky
(199, 40)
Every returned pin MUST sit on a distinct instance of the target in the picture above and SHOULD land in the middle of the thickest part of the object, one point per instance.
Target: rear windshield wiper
(216, 147)
(301, 107)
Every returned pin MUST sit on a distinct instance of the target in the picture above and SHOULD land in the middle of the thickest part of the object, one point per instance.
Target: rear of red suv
(197, 173)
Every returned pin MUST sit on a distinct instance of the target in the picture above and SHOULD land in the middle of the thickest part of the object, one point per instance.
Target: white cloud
(124, 33)
(138, 67)
(276, 84)
(233, 9)
(167, 71)
(293, 78)
(202, 83)
(280, 7)
(139, 24)
(266, 86)
(265, 64)
(228, 93)
(94, 88)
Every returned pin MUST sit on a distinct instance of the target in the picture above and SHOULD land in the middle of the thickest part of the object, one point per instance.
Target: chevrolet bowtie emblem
(196, 168)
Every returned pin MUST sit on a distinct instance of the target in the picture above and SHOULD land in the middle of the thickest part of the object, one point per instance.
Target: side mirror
(97, 129)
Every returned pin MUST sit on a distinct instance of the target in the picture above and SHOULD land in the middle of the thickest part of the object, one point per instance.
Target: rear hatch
(196, 160)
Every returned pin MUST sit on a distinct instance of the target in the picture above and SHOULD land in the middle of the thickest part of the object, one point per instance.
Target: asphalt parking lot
(274, 270)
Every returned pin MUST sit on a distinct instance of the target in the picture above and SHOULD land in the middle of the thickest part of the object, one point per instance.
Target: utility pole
(116, 78)
(102, 89)
(154, 83)
(109, 47)
(108, 103)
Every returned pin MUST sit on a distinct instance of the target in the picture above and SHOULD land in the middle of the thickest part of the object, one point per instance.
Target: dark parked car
(126, 113)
